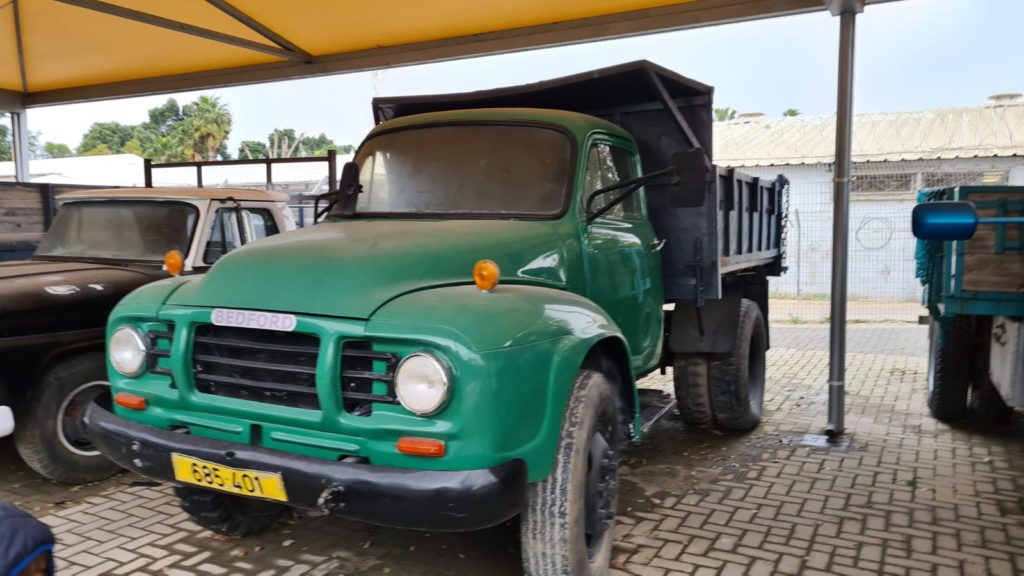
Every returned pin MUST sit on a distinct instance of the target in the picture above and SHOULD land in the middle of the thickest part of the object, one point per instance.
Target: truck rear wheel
(950, 363)
(226, 514)
(690, 376)
(566, 528)
(736, 379)
(49, 433)
(987, 406)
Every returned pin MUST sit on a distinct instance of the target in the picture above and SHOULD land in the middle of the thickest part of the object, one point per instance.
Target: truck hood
(43, 296)
(350, 268)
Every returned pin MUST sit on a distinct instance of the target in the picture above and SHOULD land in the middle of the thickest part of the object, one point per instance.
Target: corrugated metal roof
(992, 130)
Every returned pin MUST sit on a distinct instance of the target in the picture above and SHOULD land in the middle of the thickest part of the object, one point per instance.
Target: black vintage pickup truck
(54, 306)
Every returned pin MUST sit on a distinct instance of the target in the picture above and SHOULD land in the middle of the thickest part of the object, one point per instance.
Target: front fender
(518, 350)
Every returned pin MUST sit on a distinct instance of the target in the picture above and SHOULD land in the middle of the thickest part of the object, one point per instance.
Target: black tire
(736, 379)
(566, 528)
(950, 367)
(227, 514)
(690, 375)
(49, 433)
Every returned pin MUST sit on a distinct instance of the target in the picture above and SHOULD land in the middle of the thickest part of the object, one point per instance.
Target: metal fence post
(19, 126)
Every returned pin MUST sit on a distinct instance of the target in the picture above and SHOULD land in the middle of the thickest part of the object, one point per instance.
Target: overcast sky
(911, 55)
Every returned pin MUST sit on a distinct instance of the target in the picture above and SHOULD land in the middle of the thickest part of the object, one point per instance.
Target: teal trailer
(970, 259)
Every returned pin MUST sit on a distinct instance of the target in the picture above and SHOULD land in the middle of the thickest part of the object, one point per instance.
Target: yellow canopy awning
(57, 51)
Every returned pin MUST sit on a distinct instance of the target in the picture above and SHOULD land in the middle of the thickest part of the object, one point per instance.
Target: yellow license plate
(226, 479)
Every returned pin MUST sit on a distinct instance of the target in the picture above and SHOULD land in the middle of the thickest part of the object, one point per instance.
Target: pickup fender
(501, 339)
(145, 302)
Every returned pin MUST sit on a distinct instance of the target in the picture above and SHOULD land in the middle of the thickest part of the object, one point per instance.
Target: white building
(894, 155)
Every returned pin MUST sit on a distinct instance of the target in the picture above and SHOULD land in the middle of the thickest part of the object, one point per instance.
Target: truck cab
(456, 344)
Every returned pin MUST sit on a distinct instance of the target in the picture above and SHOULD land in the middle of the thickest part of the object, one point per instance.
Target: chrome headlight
(127, 351)
(422, 383)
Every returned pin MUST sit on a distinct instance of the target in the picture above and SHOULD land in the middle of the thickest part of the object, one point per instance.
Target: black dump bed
(740, 227)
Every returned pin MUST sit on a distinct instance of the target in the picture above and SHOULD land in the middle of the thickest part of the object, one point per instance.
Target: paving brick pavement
(902, 494)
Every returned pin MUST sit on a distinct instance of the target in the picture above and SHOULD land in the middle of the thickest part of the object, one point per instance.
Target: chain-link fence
(882, 286)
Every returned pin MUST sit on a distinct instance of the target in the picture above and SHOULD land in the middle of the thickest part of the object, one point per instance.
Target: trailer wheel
(566, 528)
(690, 375)
(49, 433)
(226, 514)
(737, 378)
(950, 363)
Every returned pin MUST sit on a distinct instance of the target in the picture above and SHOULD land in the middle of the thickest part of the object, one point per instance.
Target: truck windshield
(121, 230)
(486, 170)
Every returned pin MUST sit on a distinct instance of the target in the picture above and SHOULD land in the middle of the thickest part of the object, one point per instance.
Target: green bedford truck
(458, 342)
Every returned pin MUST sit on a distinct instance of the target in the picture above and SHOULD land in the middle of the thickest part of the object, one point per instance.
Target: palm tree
(724, 114)
(208, 123)
(791, 113)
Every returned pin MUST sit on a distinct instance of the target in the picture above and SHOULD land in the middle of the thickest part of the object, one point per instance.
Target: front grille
(363, 383)
(258, 365)
(159, 338)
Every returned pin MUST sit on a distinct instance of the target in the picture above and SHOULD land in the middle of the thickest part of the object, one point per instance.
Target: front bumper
(405, 498)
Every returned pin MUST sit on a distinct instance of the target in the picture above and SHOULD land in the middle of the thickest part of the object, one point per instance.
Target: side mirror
(348, 187)
(688, 186)
(344, 197)
(944, 221)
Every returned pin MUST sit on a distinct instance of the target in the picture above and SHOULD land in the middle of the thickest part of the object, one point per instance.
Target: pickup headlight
(422, 383)
(127, 351)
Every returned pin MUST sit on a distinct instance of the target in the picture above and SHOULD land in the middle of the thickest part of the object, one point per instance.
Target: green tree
(56, 150)
(113, 135)
(163, 118)
(252, 149)
(98, 150)
(316, 145)
(206, 125)
(6, 144)
(791, 113)
(724, 114)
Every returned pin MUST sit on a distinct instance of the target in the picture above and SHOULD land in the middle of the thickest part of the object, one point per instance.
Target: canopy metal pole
(19, 126)
(847, 11)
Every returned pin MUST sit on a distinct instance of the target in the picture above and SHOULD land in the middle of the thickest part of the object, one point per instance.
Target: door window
(608, 165)
(225, 235)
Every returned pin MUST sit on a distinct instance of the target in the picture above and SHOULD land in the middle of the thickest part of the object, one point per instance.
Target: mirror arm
(633, 186)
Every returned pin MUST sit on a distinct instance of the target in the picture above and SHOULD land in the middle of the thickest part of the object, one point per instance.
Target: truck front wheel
(49, 433)
(950, 364)
(737, 378)
(566, 528)
(226, 514)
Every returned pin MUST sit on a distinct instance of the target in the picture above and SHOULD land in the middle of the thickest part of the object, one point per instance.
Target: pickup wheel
(950, 364)
(690, 375)
(49, 433)
(227, 514)
(736, 379)
(566, 528)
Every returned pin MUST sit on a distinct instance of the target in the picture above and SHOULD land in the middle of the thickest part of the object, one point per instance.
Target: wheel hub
(70, 426)
(601, 491)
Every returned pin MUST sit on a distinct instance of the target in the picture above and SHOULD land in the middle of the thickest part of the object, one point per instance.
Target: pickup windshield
(120, 230)
(485, 170)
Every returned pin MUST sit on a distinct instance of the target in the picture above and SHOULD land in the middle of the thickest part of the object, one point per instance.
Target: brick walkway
(902, 495)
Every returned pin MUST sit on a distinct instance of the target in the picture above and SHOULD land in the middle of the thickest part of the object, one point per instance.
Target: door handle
(656, 245)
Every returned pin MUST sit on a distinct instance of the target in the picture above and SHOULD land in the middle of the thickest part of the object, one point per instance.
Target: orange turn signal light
(421, 447)
(486, 274)
(130, 401)
(174, 261)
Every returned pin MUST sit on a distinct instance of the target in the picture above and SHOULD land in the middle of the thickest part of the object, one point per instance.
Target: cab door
(621, 260)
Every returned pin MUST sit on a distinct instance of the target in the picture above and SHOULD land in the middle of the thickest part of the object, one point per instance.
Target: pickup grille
(159, 338)
(258, 365)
